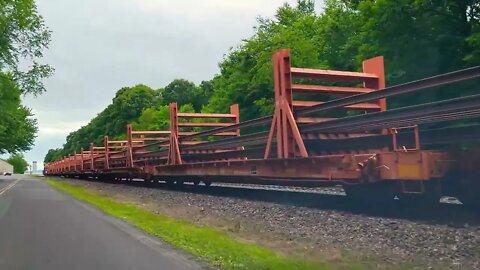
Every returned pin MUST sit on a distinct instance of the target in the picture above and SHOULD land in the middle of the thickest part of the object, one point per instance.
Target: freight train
(328, 128)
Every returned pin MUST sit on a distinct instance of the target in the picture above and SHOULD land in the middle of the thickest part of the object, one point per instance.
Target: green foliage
(53, 155)
(127, 106)
(22, 40)
(152, 119)
(24, 36)
(209, 244)
(182, 92)
(473, 42)
(418, 38)
(17, 128)
(20, 165)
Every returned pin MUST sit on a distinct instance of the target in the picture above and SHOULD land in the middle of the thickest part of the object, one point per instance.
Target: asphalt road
(41, 228)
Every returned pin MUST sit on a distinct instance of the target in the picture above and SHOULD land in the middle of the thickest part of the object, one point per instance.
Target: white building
(5, 167)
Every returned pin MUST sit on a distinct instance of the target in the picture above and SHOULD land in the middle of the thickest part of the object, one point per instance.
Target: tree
(152, 119)
(17, 128)
(53, 155)
(419, 38)
(24, 37)
(202, 94)
(20, 165)
(127, 106)
(182, 92)
(130, 104)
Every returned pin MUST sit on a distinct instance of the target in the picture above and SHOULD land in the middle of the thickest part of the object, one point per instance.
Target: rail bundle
(328, 128)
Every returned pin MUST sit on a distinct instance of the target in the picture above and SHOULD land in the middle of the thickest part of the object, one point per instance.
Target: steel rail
(246, 124)
(475, 113)
(137, 156)
(446, 135)
(250, 139)
(444, 117)
(435, 81)
(245, 140)
(365, 120)
(430, 82)
(436, 136)
(152, 144)
(362, 122)
(410, 112)
(440, 112)
(421, 120)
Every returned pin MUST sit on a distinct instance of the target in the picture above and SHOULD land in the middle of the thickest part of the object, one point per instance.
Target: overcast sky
(99, 46)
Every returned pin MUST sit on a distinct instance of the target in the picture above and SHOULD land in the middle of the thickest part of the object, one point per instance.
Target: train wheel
(179, 182)
(207, 183)
(377, 192)
(470, 202)
(432, 192)
(469, 194)
(148, 181)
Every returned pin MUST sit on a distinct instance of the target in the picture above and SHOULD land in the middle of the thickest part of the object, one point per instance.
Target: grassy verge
(206, 243)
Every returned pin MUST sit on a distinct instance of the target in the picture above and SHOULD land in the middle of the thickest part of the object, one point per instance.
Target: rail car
(328, 128)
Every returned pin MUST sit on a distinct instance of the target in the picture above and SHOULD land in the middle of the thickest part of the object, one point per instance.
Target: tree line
(418, 38)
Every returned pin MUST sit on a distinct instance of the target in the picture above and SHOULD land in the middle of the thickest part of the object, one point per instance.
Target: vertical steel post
(129, 146)
(235, 110)
(67, 169)
(75, 161)
(288, 134)
(92, 159)
(142, 139)
(174, 156)
(107, 162)
(376, 66)
(81, 159)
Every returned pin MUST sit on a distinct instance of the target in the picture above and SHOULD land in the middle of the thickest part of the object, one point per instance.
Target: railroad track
(448, 211)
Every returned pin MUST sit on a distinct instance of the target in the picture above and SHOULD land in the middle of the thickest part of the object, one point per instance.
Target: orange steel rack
(328, 128)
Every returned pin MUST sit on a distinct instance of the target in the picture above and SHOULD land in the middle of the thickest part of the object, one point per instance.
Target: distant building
(5, 167)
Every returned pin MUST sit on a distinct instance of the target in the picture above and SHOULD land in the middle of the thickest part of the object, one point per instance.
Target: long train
(313, 140)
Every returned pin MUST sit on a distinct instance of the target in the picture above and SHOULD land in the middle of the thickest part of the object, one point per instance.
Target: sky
(100, 46)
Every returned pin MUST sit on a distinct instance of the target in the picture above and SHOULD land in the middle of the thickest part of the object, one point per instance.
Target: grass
(211, 245)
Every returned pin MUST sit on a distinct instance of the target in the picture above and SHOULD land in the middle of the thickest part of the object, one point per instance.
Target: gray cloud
(100, 46)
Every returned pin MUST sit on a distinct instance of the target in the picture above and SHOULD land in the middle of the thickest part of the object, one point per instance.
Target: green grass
(211, 245)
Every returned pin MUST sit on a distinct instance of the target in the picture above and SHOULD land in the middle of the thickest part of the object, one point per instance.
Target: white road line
(3, 190)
